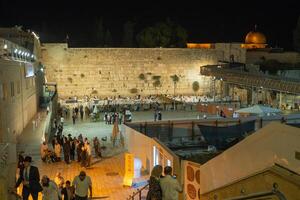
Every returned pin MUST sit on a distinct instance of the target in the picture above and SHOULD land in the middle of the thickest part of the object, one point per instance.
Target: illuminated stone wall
(117, 71)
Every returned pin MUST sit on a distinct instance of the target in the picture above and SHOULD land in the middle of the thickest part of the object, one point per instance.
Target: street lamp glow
(5, 46)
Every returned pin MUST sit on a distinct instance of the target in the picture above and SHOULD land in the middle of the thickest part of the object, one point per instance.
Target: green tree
(128, 34)
(163, 34)
(100, 33)
(181, 36)
(296, 36)
(147, 37)
(108, 41)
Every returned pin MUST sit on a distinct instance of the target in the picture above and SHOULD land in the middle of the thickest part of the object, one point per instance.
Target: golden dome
(255, 37)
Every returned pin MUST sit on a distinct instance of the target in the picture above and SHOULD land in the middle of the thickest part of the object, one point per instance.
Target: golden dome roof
(255, 37)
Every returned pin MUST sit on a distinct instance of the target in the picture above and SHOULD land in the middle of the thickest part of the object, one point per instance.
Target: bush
(133, 90)
(196, 86)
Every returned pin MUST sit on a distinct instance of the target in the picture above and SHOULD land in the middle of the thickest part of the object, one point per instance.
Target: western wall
(131, 71)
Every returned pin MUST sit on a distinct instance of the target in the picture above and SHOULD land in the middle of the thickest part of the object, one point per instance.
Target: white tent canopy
(259, 110)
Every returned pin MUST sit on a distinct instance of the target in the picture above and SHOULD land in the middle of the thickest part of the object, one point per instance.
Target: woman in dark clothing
(155, 192)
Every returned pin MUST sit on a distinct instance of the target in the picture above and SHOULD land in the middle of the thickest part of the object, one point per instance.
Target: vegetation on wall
(156, 77)
(70, 79)
(142, 77)
(133, 90)
(94, 92)
(196, 86)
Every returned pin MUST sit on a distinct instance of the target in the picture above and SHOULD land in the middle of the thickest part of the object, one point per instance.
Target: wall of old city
(122, 71)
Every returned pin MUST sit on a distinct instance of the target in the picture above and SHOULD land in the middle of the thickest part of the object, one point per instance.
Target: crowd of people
(56, 189)
(73, 149)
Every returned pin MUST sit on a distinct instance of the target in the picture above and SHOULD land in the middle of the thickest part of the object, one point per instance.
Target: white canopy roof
(258, 109)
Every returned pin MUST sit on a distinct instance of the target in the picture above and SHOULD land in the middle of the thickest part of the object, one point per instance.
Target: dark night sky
(205, 21)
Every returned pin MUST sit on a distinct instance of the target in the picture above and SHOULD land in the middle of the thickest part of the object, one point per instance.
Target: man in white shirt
(82, 184)
(169, 185)
(50, 189)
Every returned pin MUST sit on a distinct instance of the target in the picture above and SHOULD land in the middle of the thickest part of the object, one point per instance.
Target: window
(12, 89)
(18, 87)
(4, 91)
(1, 91)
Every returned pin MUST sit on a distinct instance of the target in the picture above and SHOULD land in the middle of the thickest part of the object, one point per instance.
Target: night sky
(205, 21)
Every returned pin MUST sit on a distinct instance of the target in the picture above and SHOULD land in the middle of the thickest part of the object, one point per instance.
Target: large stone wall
(116, 71)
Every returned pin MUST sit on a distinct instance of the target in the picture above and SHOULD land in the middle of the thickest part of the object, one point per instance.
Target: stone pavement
(106, 174)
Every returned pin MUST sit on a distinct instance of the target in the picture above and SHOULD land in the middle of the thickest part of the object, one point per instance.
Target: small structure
(259, 110)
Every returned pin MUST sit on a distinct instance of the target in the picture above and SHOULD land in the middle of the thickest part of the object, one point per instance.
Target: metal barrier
(138, 193)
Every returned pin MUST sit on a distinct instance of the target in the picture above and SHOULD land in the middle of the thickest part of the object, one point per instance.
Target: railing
(138, 193)
(275, 192)
(275, 83)
(3, 155)
(51, 115)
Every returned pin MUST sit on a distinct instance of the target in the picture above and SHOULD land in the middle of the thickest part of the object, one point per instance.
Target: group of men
(30, 178)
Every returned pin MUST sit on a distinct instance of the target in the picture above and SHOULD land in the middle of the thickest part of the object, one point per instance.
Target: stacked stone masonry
(120, 71)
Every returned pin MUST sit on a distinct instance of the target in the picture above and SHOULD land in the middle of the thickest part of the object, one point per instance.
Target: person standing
(57, 151)
(169, 185)
(74, 117)
(159, 116)
(62, 120)
(68, 191)
(30, 177)
(79, 145)
(97, 147)
(155, 115)
(81, 112)
(73, 147)
(89, 153)
(66, 149)
(155, 192)
(44, 151)
(82, 184)
(50, 189)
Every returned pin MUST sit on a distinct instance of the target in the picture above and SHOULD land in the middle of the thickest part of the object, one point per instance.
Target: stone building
(20, 86)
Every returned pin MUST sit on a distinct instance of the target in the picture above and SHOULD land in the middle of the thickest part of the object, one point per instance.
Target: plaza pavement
(107, 173)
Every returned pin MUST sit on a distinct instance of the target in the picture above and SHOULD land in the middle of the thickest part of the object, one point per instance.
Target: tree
(296, 36)
(128, 34)
(108, 41)
(100, 33)
(163, 34)
(147, 37)
(181, 36)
